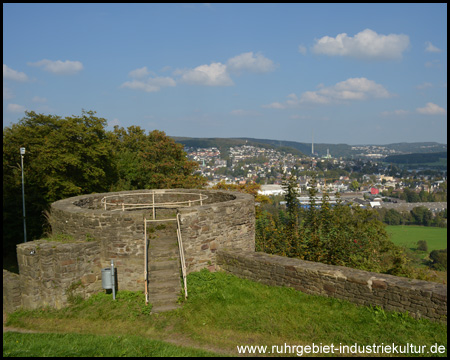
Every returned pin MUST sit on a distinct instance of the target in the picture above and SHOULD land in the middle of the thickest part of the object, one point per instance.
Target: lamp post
(22, 153)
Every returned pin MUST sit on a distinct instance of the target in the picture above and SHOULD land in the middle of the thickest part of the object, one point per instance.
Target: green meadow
(409, 235)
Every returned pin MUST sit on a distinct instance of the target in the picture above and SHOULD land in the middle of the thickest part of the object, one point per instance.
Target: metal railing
(180, 249)
(183, 262)
(122, 206)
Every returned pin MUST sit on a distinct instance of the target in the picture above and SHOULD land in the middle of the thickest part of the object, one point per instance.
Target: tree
(290, 186)
(64, 157)
(152, 161)
(75, 155)
(393, 217)
(354, 186)
(422, 216)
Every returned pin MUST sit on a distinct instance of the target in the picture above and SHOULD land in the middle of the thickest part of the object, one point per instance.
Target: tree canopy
(76, 155)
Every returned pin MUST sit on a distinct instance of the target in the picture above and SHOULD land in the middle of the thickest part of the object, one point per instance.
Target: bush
(422, 245)
(439, 259)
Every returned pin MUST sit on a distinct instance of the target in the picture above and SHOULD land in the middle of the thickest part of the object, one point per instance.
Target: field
(408, 236)
(221, 313)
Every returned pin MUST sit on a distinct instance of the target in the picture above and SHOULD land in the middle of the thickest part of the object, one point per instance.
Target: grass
(408, 236)
(223, 312)
(71, 345)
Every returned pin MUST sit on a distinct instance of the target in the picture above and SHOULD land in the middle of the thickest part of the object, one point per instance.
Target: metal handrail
(180, 249)
(153, 205)
(183, 262)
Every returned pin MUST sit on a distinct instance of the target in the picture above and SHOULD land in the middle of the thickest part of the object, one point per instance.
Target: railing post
(153, 203)
(146, 262)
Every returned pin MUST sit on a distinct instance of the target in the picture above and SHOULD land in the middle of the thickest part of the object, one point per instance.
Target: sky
(334, 73)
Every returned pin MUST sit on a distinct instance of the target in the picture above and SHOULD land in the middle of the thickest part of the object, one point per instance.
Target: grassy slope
(224, 311)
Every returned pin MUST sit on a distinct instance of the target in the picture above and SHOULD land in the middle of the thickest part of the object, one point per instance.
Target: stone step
(164, 274)
(164, 287)
(162, 255)
(164, 278)
(160, 299)
(159, 308)
(164, 264)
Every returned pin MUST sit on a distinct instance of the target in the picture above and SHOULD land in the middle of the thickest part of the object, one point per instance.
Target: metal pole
(146, 263)
(113, 279)
(22, 153)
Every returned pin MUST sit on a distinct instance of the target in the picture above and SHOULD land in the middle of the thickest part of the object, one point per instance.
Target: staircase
(164, 273)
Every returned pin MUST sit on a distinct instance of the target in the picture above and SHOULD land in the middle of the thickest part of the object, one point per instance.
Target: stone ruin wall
(51, 271)
(421, 299)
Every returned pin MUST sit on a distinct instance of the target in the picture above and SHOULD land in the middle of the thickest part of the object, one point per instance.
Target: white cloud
(429, 47)
(139, 73)
(433, 64)
(38, 99)
(210, 75)
(367, 44)
(59, 67)
(248, 61)
(241, 112)
(149, 85)
(10, 74)
(350, 89)
(431, 109)
(16, 108)
(398, 112)
(425, 85)
(7, 94)
(302, 49)
(274, 105)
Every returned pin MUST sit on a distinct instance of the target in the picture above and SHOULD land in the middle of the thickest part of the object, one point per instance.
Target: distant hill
(224, 143)
(416, 158)
(304, 149)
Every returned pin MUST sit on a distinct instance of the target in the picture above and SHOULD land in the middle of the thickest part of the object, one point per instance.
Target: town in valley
(366, 176)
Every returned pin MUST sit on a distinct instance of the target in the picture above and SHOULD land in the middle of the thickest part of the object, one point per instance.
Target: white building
(271, 190)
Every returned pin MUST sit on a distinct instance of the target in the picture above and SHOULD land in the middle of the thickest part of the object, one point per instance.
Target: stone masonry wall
(205, 229)
(51, 272)
(12, 293)
(225, 219)
(420, 298)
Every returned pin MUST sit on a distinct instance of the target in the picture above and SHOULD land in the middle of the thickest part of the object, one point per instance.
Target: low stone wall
(419, 298)
(51, 272)
(12, 293)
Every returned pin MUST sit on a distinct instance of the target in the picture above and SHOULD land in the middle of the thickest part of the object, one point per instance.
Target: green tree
(64, 157)
(422, 216)
(153, 161)
(393, 217)
(290, 186)
(354, 185)
(75, 155)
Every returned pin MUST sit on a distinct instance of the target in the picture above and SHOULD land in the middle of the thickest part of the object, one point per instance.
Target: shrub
(439, 259)
(422, 245)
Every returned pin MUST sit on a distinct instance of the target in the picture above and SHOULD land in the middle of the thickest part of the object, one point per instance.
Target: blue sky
(347, 73)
